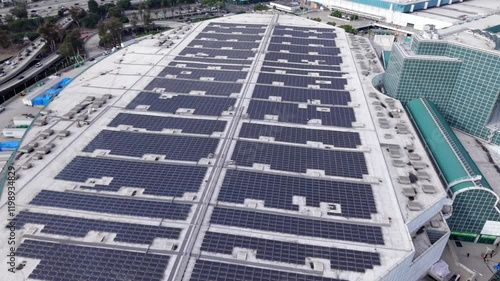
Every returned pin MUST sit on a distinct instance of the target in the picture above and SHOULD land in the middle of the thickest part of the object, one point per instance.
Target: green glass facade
(463, 81)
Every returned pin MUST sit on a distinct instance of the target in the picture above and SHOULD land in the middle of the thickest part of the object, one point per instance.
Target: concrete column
(438, 3)
(412, 8)
(425, 5)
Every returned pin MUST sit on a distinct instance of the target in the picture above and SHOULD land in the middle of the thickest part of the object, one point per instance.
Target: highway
(26, 60)
(30, 73)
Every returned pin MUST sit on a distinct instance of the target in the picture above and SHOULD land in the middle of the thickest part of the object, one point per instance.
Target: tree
(124, 4)
(90, 21)
(163, 8)
(139, 7)
(331, 23)
(9, 19)
(77, 14)
(336, 13)
(72, 43)
(20, 10)
(50, 32)
(147, 17)
(349, 28)
(115, 12)
(354, 17)
(5, 39)
(93, 6)
(110, 32)
(134, 19)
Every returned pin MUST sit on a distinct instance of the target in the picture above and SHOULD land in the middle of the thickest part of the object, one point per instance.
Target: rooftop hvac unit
(414, 206)
(429, 189)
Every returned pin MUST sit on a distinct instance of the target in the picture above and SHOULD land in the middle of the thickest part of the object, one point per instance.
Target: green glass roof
(493, 29)
(444, 155)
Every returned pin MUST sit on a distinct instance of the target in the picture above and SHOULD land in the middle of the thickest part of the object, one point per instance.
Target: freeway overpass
(30, 73)
(35, 50)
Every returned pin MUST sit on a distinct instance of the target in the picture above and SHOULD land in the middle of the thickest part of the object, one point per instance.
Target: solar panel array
(163, 199)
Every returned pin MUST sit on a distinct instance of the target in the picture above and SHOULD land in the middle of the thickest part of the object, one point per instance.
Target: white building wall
(398, 18)
(410, 270)
(417, 222)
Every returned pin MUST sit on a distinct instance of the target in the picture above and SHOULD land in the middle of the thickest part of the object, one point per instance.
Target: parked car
(38, 64)
(20, 77)
(2, 109)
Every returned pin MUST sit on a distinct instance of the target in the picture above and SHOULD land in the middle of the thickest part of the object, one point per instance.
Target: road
(21, 62)
(32, 72)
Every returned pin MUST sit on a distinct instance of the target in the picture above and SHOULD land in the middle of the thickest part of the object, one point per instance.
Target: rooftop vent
(414, 206)
(409, 192)
(404, 180)
(429, 189)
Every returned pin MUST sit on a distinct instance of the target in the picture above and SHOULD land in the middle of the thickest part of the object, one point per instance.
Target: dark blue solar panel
(304, 59)
(302, 28)
(212, 60)
(231, 29)
(297, 225)
(231, 54)
(302, 81)
(207, 65)
(158, 123)
(303, 41)
(303, 72)
(187, 86)
(303, 34)
(290, 252)
(299, 159)
(156, 179)
(291, 113)
(184, 148)
(225, 37)
(196, 74)
(224, 44)
(356, 200)
(333, 97)
(300, 135)
(303, 49)
(112, 205)
(302, 66)
(216, 271)
(80, 227)
(63, 262)
(211, 106)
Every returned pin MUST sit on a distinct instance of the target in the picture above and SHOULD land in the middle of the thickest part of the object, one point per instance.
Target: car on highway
(49, 7)
(33, 11)
(2, 74)
(38, 64)
(20, 77)
(2, 109)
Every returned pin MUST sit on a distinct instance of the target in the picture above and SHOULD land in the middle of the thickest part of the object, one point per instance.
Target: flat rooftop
(237, 148)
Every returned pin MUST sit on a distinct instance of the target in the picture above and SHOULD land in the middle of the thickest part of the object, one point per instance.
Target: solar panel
(112, 205)
(212, 60)
(333, 97)
(303, 41)
(237, 26)
(225, 37)
(155, 179)
(290, 252)
(298, 159)
(291, 113)
(188, 86)
(224, 44)
(302, 81)
(232, 30)
(196, 74)
(300, 135)
(207, 65)
(159, 123)
(277, 191)
(304, 59)
(302, 66)
(302, 28)
(76, 263)
(210, 106)
(230, 54)
(314, 73)
(303, 49)
(299, 226)
(184, 148)
(80, 227)
(303, 34)
(214, 270)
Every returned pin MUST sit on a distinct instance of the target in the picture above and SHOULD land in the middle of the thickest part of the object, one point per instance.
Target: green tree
(60, 13)
(50, 32)
(110, 32)
(9, 19)
(354, 17)
(331, 23)
(336, 13)
(147, 17)
(93, 6)
(77, 14)
(72, 43)
(5, 39)
(139, 7)
(115, 12)
(20, 10)
(90, 21)
(134, 19)
(124, 4)
(349, 28)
